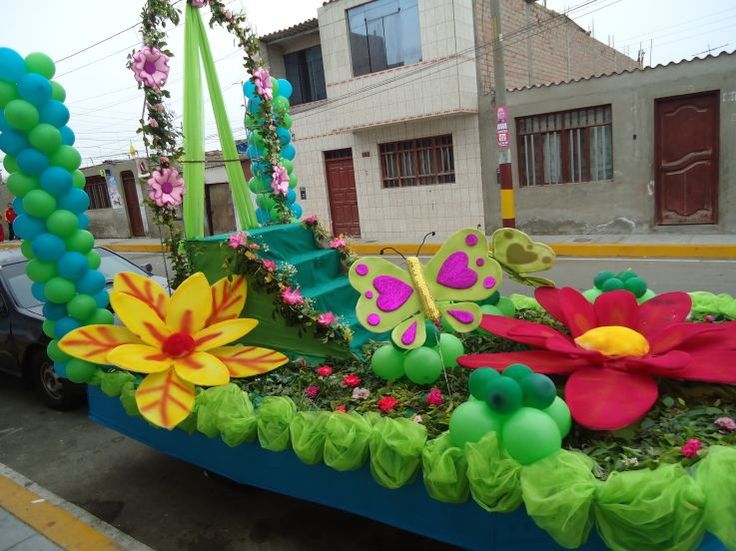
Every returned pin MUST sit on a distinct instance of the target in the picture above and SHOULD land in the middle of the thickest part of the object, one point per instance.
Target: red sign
(502, 126)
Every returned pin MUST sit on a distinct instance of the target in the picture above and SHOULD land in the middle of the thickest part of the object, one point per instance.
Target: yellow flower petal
(145, 289)
(190, 306)
(93, 343)
(140, 358)
(202, 368)
(223, 333)
(228, 299)
(165, 399)
(246, 361)
(140, 318)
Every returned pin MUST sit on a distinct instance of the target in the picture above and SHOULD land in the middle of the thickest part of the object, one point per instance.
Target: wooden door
(341, 191)
(130, 189)
(220, 210)
(686, 143)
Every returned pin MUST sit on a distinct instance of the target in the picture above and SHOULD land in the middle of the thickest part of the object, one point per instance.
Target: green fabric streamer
(396, 450)
(274, 418)
(654, 510)
(523, 302)
(709, 303)
(227, 411)
(558, 493)
(716, 475)
(127, 398)
(444, 470)
(236, 177)
(112, 382)
(193, 125)
(308, 435)
(346, 441)
(493, 475)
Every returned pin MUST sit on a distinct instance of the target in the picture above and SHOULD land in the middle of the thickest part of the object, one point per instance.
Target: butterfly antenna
(382, 251)
(424, 239)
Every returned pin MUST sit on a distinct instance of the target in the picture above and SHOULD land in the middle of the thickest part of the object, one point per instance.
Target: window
(307, 75)
(420, 162)
(566, 147)
(96, 188)
(384, 34)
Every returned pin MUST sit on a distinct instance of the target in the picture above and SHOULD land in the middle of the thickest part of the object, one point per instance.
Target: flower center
(614, 341)
(149, 67)
(167, 187)
(178, 345)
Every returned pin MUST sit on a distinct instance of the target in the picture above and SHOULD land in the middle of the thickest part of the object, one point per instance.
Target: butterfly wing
(519, 254)
(462, 316)
(387, 295)
(411, 333)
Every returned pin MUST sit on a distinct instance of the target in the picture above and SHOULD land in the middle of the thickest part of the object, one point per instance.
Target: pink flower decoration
(338, 242)
(324, 371)
(692, 447)
(361, 393)
(158, 107)
(387, 403)
(311, 219)
(280, 180)
(150, 67)
(434, 397)
(237, 240)
(709, 318)
(153, 123)
(311, 392)
(328, 318)
(270, 265)
(351, 380)
(292, 297)
(726, 424)
(198, 3)
(262, 80)
(255, 247)
(164, 160)
(167, 187)
(228, 15)
(341, 409)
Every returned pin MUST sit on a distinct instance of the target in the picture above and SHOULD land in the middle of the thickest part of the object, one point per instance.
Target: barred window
(96, 188)
(419, 162)
(565, 147)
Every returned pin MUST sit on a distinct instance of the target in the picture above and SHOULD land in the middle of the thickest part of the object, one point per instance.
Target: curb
(56, 519)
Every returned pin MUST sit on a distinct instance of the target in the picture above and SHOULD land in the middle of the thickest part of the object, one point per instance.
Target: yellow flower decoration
(177, 341)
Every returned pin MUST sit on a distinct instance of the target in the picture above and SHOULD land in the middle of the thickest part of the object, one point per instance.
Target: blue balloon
(60, 369)
(83, 221)
(291, 196)
(284, 135)
(67, 135)
(48, 247)
(254, 152)
(285, 88)
(92, 283)
(73, 266)
(262, 216)
(18, 206)
(75, 200)
(102, 299)
(260, 168)
(288, 152)
(13, 142)
(54, 112)
(65, 325)
(28, 227)
(31, 161)
(12, 65)
(249, 89)
(37, 292)
(254, 105)
(296, 208)
(35, 89)
(54, 311)
(4, 126)
(56, 180)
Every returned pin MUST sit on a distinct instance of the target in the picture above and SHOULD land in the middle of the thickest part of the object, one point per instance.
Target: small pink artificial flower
(292, 297)
(237, 240)
(351, 380)
(164, 160)
(262, 80)
(434, 397)
(167, 187)
(311, 219)
(692, 447)
(255, 247)
(387, 403)
(228, 15)
(709, 318)
(270, 265)
(338, 242)
(153, 123)
(418, 419)
(361, 393)
(280, 180)
(311, 392)
(198, 3)
(158, 107)
(150, 67)
(327, 318)
(324, 371)
(341, 409)
(726, 424)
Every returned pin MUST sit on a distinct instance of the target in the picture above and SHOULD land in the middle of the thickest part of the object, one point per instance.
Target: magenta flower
(150, 67)
(311, 392)
(153, 123)
(292, 297)
(262, 80)
(692, 447)
(167, 187)
(280, 180)
(434, 397)
(726, 424)
(311, 219)
(324, 371)
(270, 265)
(338, 242)
(198, 3)
(237, 240)
(328, 318)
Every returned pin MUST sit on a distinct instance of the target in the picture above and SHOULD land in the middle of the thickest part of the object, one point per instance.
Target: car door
(8, 354)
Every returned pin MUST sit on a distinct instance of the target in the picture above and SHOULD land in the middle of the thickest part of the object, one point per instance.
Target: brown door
(131, 202)
(341, 190)
(220, 211)
(686, 139)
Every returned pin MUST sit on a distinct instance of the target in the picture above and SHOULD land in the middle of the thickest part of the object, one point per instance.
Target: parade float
(409, 392)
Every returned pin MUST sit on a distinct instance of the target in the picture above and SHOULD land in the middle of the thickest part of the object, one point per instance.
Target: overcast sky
(105, 103)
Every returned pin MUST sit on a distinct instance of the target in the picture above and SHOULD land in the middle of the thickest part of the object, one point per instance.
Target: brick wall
(560, 49)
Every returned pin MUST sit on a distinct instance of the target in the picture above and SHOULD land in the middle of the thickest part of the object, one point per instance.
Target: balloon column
(50, 203)
(270, 149)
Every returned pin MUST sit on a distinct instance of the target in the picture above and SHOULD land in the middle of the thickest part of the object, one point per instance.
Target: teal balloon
(73, 265)
(48, 247)
(62, 223)
(423, 365)
(285, 88)
(517, 371)
(636, 285)
(12, 142)
(504, 395)
(56, 180)
(538, 390)
(82, 307)
(480, 382)
(288, 152)
(35, 89)
(75, 200)
(451, 348)
(41, 64)
(471, 421)
(91, 283)
(21, 115)
(55, 112)
(67, 135)
(601, 278)
(32, 161)
(12, 65)
(431, 334)
(388, 362)
(612, 284)
(530, 435)
(59, 290)
(560, 414)
(39, 203)
(592, 294)
(45, 137)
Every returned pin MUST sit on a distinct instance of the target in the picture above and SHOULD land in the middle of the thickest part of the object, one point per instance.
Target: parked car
(22, 340)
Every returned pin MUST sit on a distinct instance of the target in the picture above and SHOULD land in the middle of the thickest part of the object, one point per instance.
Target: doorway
(341, 191)
(130, 189)
(220, 210)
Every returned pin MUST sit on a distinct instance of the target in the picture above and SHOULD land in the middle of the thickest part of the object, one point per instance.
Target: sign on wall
(116, 200)
(502, 126)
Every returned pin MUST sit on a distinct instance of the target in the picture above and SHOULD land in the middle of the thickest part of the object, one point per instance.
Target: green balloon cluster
(628, 280)
(520, 405)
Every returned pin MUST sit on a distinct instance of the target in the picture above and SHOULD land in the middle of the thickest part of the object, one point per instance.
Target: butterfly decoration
(447, 287)
(519, 257)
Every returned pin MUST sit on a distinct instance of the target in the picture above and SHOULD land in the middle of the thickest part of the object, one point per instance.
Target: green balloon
(256, 139)
(601, 278)
(504, 395)
(293, 181)
(101, 317)
(27, 250)
(471, 421)
(480, 381)
(530, 435)
(288, 165)
(539, 391)
(62, 223)
(592, 294)
(646, 296)
(94, 260)
(57, 91)
(59, 290)
(55, 353)
(80, 241)
(48, 328)
(21, 115)
(256, 185)
(39, 271)
(41, 64)
(492, 300)
(10, 164)
(78, 179)
(45, 137)
(636, 285)
(423, 365)
(612, 284)
(451, 349)
(286, 121)
(79, 371)
(388, 362)
(560, 414)
(66, 157)
(82, 307)
(19, 184)
(506, 306)
(274, 87)
(274, 214)
(281, 104)
(490, 310)
(39, 203)
(8, 93)
(626, 275)
(517, 371)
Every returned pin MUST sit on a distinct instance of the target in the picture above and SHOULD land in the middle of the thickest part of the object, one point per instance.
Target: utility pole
(503, 141)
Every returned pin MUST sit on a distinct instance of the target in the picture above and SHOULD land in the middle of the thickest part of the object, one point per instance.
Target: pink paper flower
(709, 319)
(361, 393)
(153, 123)
(311, 219)
(292, 297)
(692, 447)
(262, 80)
(387, 403)
(338, 242)
(351, 380)
(324, 371)
(341, 409)
(150, 67)
(167, 187)
(726, 424)
(311, 392)
(237, 240)
(270, 265)
(198, 3)
(434, 397)
(327, 318)
(280, 180)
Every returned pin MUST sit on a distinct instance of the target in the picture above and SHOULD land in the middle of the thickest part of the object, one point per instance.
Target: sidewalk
(34, 519)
